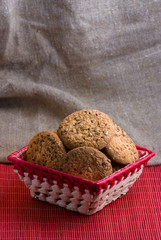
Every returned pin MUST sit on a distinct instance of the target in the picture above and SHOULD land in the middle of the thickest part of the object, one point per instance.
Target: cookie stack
(87, 144)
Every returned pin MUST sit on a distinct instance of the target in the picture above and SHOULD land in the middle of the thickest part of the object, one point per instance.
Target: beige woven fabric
(60, 56)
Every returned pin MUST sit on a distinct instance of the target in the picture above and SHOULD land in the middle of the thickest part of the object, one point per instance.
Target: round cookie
(116, 166)
(90, 128)
(88, 163)
(46, 149)
(121, 149)
(119, 131)
(55, 131)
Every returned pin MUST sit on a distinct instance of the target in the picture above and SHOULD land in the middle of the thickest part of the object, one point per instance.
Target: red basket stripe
(17, 158)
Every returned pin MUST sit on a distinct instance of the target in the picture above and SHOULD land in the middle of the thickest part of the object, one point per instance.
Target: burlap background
(60, 56)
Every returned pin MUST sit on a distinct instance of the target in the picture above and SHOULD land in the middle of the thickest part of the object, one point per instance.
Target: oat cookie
(119, 131)
(90, 128)
(121, 149)
(116, 166)
(46, 149)
(88, 163)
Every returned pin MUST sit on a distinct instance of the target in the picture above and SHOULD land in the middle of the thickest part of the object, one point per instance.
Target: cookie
(119, 131)
(88, 163)
(121, 148)
(116, 166)
(90, 128)
(55, 131)
(46, 149)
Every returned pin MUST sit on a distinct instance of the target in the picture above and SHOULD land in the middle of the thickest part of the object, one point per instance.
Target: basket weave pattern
(74, 193)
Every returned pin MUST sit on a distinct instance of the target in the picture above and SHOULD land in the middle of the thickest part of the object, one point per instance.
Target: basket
(75, 193)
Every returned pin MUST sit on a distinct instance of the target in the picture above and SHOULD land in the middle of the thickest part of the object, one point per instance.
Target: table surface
(137, 215)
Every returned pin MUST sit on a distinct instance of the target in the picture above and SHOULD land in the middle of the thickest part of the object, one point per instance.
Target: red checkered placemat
(137, 215)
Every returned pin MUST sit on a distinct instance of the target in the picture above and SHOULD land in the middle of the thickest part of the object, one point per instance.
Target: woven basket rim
(92, 186)
(132, 166)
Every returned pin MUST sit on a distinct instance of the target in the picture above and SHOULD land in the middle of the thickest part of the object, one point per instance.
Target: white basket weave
(74, 193)
(74, 200)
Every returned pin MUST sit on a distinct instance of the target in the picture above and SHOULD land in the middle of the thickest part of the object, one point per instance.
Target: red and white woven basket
(75, 193)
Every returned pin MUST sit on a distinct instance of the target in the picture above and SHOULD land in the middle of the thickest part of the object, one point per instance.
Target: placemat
(137, 215)
(57, 57)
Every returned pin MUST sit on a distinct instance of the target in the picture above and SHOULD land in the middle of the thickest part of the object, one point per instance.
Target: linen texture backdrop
(57, 57)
